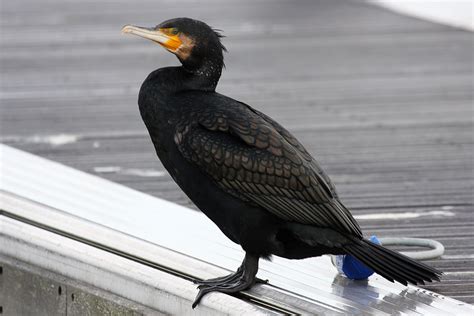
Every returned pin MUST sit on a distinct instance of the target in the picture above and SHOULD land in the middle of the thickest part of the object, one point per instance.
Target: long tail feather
(392, 265)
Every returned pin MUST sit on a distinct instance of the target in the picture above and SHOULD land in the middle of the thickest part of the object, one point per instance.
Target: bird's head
(192, 41)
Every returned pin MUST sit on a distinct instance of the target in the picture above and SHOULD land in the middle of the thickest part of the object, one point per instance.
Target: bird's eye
(173, 31)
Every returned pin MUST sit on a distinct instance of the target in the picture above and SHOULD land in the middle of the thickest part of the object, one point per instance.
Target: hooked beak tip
(127, 29)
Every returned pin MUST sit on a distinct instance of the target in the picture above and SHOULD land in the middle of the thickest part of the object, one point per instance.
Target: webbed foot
(242, 279)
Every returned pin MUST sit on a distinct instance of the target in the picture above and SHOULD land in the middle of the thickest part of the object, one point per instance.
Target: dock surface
(383, 101)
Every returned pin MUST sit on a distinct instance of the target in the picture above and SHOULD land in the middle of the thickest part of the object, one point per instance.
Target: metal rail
(164, 241)
(272, 306)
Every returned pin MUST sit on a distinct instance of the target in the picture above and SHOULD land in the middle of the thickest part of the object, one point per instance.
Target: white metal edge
(123, 277)
(107, 237)
(136, 247)
(68, 189)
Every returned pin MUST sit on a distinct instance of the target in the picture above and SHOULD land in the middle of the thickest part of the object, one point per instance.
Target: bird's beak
(168, 41)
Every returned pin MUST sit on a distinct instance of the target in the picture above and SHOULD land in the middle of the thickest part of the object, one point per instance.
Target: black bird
(245, 171)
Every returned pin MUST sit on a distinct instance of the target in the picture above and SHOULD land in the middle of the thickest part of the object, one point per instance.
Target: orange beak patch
(168, 38)
(173, 42)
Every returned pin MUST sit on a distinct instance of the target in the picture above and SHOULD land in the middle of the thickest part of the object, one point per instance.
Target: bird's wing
(247, 157)
(324, 178)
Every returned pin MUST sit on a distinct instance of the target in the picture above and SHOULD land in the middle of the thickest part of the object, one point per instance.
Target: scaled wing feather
(255, 159)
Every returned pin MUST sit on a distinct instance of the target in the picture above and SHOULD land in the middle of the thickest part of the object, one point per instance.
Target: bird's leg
(240, 280)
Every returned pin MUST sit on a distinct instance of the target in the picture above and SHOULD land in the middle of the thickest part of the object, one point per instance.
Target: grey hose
(437, 249)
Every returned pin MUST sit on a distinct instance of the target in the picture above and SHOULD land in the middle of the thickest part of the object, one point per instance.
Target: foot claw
(202, 291)
(202, 286)
(260, 281)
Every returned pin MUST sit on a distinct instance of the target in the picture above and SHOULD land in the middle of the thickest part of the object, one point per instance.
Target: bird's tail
(391, 265)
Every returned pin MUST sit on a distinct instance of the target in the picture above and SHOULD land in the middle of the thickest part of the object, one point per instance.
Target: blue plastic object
(353, 268)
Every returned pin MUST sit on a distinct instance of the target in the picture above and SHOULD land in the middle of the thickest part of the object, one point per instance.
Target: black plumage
(246, 172)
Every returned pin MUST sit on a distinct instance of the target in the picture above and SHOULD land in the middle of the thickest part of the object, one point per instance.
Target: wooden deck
(384, 102)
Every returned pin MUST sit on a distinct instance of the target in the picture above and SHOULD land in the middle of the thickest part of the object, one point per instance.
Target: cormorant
(245, 171)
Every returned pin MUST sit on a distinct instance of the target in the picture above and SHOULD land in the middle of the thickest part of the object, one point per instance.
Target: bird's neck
(203, 77)
(171, 80)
